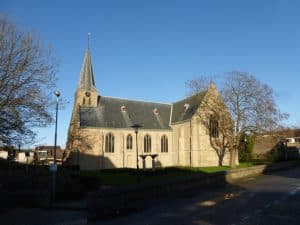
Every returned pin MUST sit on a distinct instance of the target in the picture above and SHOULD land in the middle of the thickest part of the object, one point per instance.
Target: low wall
(239, 173)
(111, 201)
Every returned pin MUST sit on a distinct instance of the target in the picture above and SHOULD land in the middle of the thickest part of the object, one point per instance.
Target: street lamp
(57, 94)
(136, 130)
(53, 167)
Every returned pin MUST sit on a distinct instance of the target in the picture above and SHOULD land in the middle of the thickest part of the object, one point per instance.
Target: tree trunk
(234, 150)
(221, 157)
(220, 161)
(233, 157)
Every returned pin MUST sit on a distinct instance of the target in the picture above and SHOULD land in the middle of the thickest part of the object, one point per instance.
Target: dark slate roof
(87, 81)
(109, 114)
(186, 108)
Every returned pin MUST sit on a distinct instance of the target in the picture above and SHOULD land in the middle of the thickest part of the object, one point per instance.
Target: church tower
(86, 94)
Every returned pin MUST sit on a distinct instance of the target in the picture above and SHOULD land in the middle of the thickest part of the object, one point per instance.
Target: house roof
(184, 109)
(123, 113)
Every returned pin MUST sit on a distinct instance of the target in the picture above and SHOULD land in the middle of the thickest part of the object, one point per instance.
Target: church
(108, 132)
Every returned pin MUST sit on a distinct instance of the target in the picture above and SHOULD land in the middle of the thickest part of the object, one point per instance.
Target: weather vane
(89, 34)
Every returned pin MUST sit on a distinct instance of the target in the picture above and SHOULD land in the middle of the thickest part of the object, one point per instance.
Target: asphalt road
(267, 199)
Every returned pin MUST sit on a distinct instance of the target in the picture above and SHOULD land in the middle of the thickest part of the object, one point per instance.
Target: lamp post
(57, 94)
(136, 130)
(54, 166)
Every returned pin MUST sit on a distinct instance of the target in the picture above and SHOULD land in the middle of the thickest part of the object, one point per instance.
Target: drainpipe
(123, 152)
(178, 161)
(103, 159)
(191, 143)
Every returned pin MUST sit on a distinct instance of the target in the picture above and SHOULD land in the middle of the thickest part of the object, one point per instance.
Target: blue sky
(148, 49)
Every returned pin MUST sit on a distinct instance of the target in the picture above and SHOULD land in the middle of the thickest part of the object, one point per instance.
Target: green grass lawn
(123, 177)
(253, 162)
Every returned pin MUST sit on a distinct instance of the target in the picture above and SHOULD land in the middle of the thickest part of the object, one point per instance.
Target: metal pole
(136, 130)
(27, 164)
(55, 137)
(57, 93)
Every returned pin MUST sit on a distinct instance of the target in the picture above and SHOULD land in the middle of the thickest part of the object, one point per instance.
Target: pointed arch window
(129, 142)
(109, 143)
(164, 143)
(83, 101)
(147, 143)
(213, 127)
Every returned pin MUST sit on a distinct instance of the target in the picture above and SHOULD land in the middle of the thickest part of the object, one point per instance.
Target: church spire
(89, 34)
(87, 82)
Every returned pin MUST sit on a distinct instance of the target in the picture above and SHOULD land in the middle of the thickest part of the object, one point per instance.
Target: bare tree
(79, 142)
(77, 139)
(252, 107)
(215, 116)
(27, 76)
(199, 84)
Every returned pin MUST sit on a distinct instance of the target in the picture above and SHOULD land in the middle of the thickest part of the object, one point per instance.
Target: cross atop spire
(89, 34)
(87, 82)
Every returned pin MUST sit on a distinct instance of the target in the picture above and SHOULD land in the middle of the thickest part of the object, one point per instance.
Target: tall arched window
(213, 127)
(83, 101)
(129, 142)
(147, 144)
(164, 143)
(109, 143)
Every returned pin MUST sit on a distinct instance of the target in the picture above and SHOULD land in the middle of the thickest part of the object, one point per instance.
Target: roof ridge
(137, 100)
(198, 93)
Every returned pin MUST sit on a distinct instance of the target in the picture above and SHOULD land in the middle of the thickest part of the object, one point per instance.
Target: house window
(186, 106)
(129, 142)
(123, 108)
(109, 143)
(147, 144)
(164, 143)
(213, 127)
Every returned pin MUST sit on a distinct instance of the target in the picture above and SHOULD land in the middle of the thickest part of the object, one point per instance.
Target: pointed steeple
(87, 82)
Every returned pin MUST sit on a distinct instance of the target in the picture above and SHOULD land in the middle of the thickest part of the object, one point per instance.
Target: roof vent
(123, 108)
(155, 111)
(186, 106)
